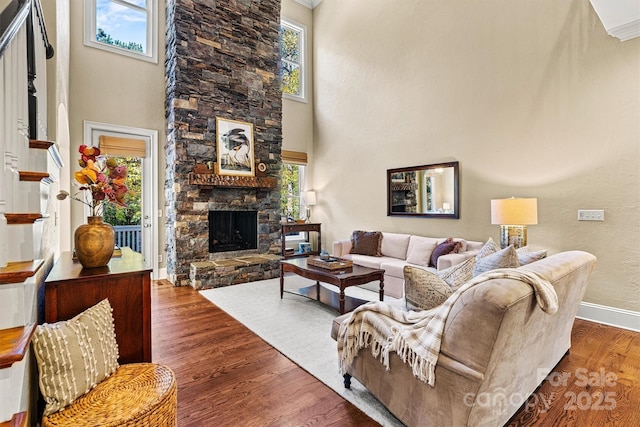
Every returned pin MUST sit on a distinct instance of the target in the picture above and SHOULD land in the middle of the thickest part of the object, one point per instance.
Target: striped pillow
(75, 355)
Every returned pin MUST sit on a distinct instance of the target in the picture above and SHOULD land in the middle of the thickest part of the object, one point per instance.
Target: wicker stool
(137, 394)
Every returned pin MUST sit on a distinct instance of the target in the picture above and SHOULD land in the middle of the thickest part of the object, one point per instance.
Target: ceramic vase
(94, 242)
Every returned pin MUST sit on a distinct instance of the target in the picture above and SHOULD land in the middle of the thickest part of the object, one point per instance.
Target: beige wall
(533, 99)
(115, 89)
(297, 117)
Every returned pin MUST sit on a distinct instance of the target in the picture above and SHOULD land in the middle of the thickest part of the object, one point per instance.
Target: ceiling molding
(621, 18)
(309, 3)
(626, 31)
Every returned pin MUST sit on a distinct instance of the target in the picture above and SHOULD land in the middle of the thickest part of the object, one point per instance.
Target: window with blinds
(294, 164)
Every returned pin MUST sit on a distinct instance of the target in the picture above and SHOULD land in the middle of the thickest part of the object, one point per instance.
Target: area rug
(299, 328)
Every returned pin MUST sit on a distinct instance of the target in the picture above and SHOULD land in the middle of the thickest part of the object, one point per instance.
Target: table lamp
(513, 215)
(309, 198)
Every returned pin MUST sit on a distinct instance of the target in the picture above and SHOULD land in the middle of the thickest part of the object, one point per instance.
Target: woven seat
(137, 394)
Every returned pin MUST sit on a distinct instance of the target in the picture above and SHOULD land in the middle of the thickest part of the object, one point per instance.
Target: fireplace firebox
(233, 230)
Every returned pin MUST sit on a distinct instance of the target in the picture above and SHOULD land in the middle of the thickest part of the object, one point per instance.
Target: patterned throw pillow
(506, 258)
(459, 274)
(75, 355)
(366, 243)
(489, 248)
(526, 256)
(423, 289)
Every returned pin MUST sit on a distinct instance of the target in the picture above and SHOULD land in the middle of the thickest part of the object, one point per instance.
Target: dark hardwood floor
(227, 376)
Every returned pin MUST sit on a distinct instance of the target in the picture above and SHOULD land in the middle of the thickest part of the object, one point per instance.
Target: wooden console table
(294, 227)
(126, 282)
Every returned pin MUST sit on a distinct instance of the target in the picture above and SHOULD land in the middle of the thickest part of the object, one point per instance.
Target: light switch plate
(590, 215)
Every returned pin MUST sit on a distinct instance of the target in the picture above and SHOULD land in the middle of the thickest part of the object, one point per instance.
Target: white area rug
(300, 328)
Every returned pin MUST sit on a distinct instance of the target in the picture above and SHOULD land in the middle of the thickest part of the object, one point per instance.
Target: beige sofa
(497, 347)
(399, 250)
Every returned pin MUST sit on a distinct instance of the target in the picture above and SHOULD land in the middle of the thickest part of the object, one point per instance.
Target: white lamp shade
(309, 198)
(514, 211)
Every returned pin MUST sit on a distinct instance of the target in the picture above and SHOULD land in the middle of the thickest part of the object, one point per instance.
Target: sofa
(497, 347)
(398, 250)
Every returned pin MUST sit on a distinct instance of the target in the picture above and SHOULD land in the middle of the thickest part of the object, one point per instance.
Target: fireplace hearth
(232, 230)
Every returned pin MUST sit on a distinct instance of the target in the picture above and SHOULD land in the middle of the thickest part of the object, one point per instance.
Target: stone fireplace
(222, 61)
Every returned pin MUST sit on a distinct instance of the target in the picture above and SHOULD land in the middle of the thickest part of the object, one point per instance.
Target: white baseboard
(611, 316)
(162, 274)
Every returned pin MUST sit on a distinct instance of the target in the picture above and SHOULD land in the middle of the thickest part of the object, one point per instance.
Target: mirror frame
(456, 198)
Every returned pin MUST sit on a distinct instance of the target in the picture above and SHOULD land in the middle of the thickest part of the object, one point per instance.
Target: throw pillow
(527, 256)
(459, 274)
(366, 243)
(443, 248)
(423, 289)
(73, 356)
(489, 248)
(420, 249)
(506, 258)
(461, 245)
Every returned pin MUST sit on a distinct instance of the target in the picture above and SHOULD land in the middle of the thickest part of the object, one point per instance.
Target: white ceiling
(621, 18)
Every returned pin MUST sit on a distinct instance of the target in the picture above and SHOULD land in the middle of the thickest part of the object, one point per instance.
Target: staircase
(29, 168)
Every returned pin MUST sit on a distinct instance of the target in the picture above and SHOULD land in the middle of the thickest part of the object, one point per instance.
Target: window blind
(125, 147)
(295, 157)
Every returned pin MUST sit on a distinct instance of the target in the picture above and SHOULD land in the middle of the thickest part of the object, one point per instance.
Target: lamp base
(515, 235)
(308, 220)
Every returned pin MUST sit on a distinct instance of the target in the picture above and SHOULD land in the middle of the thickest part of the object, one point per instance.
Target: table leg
(281, 281)
(317, 290)
(341, 299)
(382, 288)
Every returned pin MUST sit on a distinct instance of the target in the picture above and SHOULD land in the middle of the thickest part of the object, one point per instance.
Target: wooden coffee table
(353, 276)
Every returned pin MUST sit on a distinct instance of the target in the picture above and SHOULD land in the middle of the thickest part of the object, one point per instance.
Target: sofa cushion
(424, 289)
(395, 245)
(473, 246)
(420, 249)
(369, 261)
(526, 256)
(395, 267)
(75, 355)
(506, 258)
(366, 243)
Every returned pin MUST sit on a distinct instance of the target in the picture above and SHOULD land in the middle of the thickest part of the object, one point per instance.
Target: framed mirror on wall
(424, 191)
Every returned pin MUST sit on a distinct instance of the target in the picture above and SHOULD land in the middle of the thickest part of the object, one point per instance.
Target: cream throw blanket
(416, 335)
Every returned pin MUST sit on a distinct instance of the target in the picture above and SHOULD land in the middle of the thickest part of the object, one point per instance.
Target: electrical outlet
(160, 258)
(590, 215)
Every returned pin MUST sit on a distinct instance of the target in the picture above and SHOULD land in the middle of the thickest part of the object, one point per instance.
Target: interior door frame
(149, 177)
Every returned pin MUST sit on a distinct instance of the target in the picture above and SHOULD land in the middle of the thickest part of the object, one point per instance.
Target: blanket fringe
(422, 368)
(351, 347)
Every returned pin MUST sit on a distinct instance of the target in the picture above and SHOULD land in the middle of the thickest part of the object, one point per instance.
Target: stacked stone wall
(222, 61)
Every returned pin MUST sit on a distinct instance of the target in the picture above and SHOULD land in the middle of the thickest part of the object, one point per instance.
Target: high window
(292, 52)
(127, 27)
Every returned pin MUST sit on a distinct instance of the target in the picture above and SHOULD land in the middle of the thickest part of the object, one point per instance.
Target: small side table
(294, 227)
